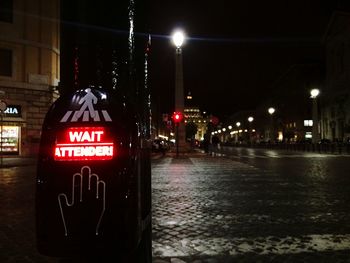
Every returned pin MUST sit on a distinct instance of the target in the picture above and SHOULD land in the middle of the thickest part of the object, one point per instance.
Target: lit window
(308, 135)
(5, 62)
(308, 123)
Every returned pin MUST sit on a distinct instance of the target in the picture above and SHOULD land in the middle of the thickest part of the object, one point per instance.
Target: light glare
(178, 38)
(314, 93)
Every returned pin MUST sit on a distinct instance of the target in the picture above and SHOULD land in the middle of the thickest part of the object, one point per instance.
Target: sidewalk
(13, 161)
(172, 154)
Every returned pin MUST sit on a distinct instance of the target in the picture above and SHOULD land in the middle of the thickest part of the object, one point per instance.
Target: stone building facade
(29, 70)
(335, 111)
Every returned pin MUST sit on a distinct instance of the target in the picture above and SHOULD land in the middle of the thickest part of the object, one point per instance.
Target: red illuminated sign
(84, 143)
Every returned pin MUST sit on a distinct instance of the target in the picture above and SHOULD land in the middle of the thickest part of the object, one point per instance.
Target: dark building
(335, 97)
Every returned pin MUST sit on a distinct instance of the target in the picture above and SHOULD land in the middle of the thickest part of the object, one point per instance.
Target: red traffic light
(177, 117)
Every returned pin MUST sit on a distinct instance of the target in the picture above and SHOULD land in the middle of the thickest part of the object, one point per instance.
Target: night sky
(236, 49)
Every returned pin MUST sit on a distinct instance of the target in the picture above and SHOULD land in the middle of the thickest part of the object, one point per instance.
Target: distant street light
(178, 39)
(315, 134)
(314, 93)
(250, 119)
(271, 111)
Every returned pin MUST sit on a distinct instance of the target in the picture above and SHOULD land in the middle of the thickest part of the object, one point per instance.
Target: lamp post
(250, 119)
(315, 135)
(3, 107)
(177, 118)
(178, 39)
(238, 124)
(271, 111)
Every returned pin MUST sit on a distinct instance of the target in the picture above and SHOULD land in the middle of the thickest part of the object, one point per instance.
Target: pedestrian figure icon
(89, 99)
(86, 110)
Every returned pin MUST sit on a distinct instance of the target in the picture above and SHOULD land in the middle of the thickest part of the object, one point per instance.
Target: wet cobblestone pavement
(212, 209)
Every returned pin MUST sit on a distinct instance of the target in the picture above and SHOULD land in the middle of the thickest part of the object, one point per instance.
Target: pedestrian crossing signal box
(93, 187)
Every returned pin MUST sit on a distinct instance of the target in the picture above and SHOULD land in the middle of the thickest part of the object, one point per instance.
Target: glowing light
(271, 110)
(230, 127)
(250, 119)
(314, 93)
(178, 38)
(238, 124)
(280, 136)
(83, 143)
(164, 137)
(177, 117)
(224, 129)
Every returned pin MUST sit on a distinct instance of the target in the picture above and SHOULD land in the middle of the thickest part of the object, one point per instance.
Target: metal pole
(250, 134)
(1, 157)
(272, 135)
(177, 139)
(315, 136)
(179, 97)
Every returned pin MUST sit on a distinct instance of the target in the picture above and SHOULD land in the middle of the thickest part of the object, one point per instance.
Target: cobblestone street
(214, 209)
(243, 207)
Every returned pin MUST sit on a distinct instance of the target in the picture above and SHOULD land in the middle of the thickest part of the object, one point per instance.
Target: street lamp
(178, 40)
(250, 119)
(271, 111)
(315, 135)
(237, 136)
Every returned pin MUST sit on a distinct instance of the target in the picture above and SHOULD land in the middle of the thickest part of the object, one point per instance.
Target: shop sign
(13, 111)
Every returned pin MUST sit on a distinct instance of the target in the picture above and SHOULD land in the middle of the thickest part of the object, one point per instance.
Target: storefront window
(9, 139)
